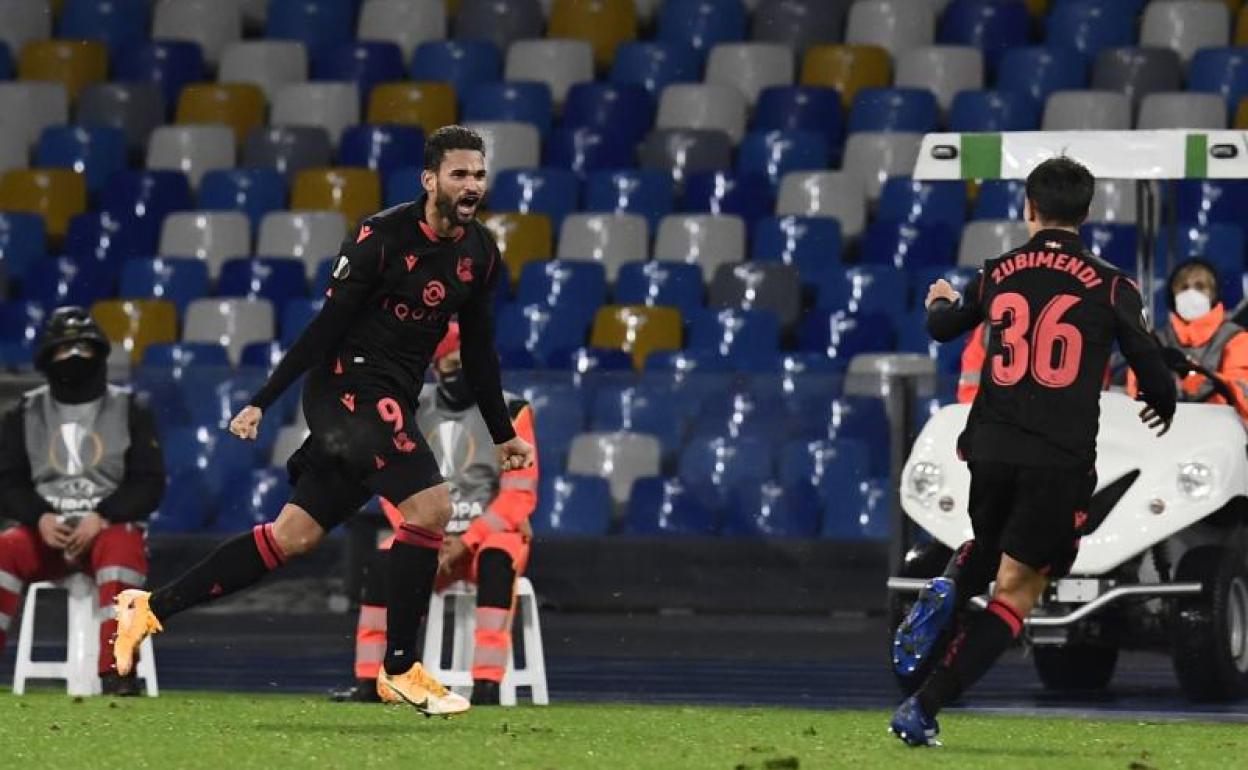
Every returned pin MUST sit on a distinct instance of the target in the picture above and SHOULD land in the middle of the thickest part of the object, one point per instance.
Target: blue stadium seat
(22, 241)
(21, 323)
(69, 281)
(120, 25)
(824, 464)
(585, 362)
(1220, 71)
(188, 506)
(864, 289)
(660, 506)
(205, 450)
(655, 65)
(922, 278)
(798, 379)
(748, 196)
(540, 329)
(214, 403)
(647, 192)
(711, 468)
(572, 505)
(182, 358)
(768, 509)
(178, 280)
(742, 337)
(106, 237)
(252, 497)
(1000, 199)
(262, 356)
(579, 287)
(811, 244)
(1089, 27)
(909, 246)
(994, 111)
(585, 151)
(170, 64)
(860, 418)
(523, 102)
(841, 336)
(894, 109)
(623, 110)
(772, 154)
(676, 284)
(320, 25)
(364, 62)
(639, 409)
(803, 108)
(1038, 71)
(95, 152)
(294, 317)
(912, 337)
(403, 184)
(253, 191)
(1209, 201)
(903, 199)
(550, 191)
(277, 279)
(990, 25)
(1115, 243)
(381, 148)
(462, 63)
(1221, 243)
(7, 68)
(740, 412)
(146, 195)
(559, 414)
(701, 23)
(859, 512)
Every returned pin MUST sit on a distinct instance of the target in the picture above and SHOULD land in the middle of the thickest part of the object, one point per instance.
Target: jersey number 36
(1051, 351)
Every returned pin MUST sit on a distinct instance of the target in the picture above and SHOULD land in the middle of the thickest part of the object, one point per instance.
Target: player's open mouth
(467, 205)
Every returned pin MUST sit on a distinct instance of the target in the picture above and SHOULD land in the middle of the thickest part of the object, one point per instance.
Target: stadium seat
(903, 199)
(106, 237)
(710, 468)
(989, 25)
(986, 238)
(169, 64)
(624, 111)
(1087, 111)
(586, 363)
(1114, 243)
(544, 331)
(74, 64)
(847, 68)
(508, 145)
(268, 64)
(180, 281)
(1114, 200)
(750, 67)
(774, 287)
(894, 25)
(133, 108)
(57, 281)
(660, 506)
(687, 374)
(802, 108)
(381, 148)
(769, 509)
(459, 63)
(252, 497)
(1039, 71)
(119, 25)
(741, 412)
(21, 324)
(146, 195)
(548, 191)
(909, 246)
(749, 196)
(706, 106)
(211, 24)
(521, 238)
(557, 63)
(518, 102)
(873, 157)
(1210, 201)
(287, 150)
(894, 109)
(1241, 27)
(608, 239)
(187, 507)
(991, 111)
(660, 283)
(499, 23)
(406, 23)
(213, 237)
(318, 24)
(30, 107)
(238, 105)
(94, 152)
(253, 191)
(307, 235)
(135, 324)
(570, 504)
(648, 193)
(331, 106)
(229, 322)
(682, 152)
(401, 184)
(22, 21)
(828, 466)
(276, 279)
(578, 288)
(1181, 109)
(22, 241)
(183, 358)
(655, 65)
(1185, 27)
(1222, 244)
(585, 151)
(1220, 71)
(55, 194)
(295, 311)
(772, 154)
(263, 357)
(702, 25)
(864, 289)
(999, 199)
(834, 194)
(637, 330)
(799, 24)
(859, 513)
(604, 24)
(944, 70)
(706, 240)
(202, 450)
(353, 192)
(860, 418)
(1089, 27)
(743, 337)
(810, 245)
(366, 64)
(1137, 72)
(191, 150)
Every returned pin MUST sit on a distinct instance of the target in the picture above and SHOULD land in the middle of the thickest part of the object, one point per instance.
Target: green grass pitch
(234, 731)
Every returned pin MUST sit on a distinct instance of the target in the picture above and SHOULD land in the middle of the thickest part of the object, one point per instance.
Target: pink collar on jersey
(432, 234)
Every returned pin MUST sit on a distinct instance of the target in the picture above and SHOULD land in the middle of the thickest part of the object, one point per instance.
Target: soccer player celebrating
(392, 293)
(1054, 311)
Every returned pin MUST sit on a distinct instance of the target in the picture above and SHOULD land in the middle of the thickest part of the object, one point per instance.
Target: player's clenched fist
(515, 454)
(941, 290)
(246, 423)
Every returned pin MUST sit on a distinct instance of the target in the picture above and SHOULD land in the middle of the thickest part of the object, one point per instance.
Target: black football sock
(971, 653)
(972, 569)
(235, 564)
(496, 579)
(413, 567)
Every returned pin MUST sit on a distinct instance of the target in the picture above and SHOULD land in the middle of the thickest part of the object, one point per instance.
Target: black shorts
(1036, 515)
(363, 442)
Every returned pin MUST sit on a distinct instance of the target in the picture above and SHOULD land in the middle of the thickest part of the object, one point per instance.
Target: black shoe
(363, 691)
(119, 686)
(484, 692)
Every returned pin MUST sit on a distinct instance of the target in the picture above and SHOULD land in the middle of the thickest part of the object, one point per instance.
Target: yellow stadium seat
(135, 324)
(238, 105)
(1037, 8)
(604, 24)
(1241, 113)
(1241, 27)
(353, 192)
(636, 329)
(522, 238)
(56, 194)
(74, 63)
(429, 105)
(847, 68)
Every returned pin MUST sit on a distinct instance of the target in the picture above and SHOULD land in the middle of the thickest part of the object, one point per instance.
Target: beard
(449, 208)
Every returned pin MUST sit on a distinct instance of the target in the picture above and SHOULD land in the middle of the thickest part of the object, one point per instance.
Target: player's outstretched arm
(1144, 356)
(950, 314)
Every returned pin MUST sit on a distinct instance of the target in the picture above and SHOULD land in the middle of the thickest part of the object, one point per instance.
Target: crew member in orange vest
(973, 356)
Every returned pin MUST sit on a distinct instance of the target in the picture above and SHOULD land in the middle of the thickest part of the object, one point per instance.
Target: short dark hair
(1060, 190)
(448, 138)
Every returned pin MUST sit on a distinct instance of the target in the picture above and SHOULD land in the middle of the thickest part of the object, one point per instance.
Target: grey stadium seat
(135, 108)
(406, 23)
(270, 64)
(703, 105)
(230, 322)
(1137, 71)
(1087, 111)
(800, 23)
(331, 106)
(874, 157)
(987, 238)
(1186, 27)
(559, 63)
(288, 149)
(768, 286)
(1113, 201)
(211, 236)
(609, 239)
(509, 144)
(942, 69)
(14, 153)
(1182, 109)
(502, 22)
(310, 236)
(685, 151)
(836, 194)
(193, 149)
(750, 67)
(894, 25)
(213, 24)
(620, 458)
(709, 240)
(28, 106)
(22, 21)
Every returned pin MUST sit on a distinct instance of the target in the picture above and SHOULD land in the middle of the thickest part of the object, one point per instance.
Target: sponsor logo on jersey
(405, 312)
(342, 268)
(464, 269)
(365, 231)
(434, 293)
(411, 260)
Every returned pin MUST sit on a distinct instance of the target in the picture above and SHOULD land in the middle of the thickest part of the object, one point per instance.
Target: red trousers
(117, 561)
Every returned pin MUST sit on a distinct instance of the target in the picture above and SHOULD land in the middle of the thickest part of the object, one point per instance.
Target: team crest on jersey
(411, 260)
(434, 293)
(365, 231)
(342, 268)
(464, 269)
(403, 442)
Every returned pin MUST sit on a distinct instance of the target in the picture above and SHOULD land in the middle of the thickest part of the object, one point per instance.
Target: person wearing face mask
(81, 470)
(1200, 329)
(488, 535)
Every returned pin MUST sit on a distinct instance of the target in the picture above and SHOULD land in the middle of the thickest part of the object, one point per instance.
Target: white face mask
(1191, 304)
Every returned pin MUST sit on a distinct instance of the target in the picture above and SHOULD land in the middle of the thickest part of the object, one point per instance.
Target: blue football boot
(924, 625)
(912, 726)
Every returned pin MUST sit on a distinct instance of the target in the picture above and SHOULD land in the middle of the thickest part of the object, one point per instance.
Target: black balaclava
(79, 377)
(454, 391)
